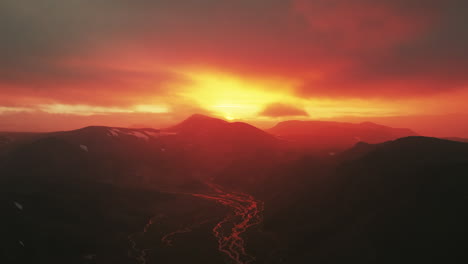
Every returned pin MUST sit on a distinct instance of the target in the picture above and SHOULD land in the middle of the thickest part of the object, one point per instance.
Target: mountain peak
(198, 121)
(336, 135)
(210, 128)
(202, 118)
(370, 124)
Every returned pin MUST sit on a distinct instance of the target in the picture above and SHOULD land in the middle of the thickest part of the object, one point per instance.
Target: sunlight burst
(235, 97)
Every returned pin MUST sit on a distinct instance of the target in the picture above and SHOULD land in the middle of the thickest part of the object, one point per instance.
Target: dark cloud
(281, 110)
(413, 48)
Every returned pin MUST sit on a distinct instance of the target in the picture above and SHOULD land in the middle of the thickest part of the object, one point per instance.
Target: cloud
(360, 25)
(388, 48)
(117, 53)
(282, 110)
(83, 84)
(46, 118)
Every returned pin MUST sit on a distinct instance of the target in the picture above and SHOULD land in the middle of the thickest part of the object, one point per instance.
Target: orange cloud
(324, 55)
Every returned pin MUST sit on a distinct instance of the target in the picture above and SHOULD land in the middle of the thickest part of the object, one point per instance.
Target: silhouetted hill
(77, 196)
(198, 121)
(335, 136)
(421, 147)
(402, 201)
(456, 139)
(11, 140)
(130, 157)
(214, 145)
(197, 149)
(203, 128)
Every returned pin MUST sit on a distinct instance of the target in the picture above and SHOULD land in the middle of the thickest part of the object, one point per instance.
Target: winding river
(244, 212)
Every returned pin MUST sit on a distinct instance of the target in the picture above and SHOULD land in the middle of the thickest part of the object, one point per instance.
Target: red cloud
(359, 48)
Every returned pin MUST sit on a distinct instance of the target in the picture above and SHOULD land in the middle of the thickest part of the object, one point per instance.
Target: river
(244, 212)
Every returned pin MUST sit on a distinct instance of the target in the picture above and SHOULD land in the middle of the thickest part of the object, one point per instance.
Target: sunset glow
(233, 131)
(260, 63)
(235, 97)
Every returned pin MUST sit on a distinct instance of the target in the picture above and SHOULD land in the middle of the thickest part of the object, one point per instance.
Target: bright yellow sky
(235, 97)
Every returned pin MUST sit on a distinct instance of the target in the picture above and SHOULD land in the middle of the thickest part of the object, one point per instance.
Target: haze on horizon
(69, 64)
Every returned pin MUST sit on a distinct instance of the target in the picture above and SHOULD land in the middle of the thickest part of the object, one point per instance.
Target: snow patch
(84, 147)
(139, 135)
(18, 205)
(152, 134)
(114, 132)
(142, 134)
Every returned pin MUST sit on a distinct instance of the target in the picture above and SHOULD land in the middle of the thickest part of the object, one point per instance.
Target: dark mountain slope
(335, 136)
(127, 157)
(403, 201)
(82, 192)
(197, 149)
(211, 131)
(459, 139)
(214, 146)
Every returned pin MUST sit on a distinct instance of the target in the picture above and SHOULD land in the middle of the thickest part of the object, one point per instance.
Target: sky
(132, 63)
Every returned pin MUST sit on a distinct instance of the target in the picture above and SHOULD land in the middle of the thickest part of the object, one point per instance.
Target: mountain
(456, 139)
(206, 130)
(121, 156)
(85, 196)
(402, 201)
(335, 136)
(119, 195)
(90, 195)
(10, 140)
(213, 145)
(198, 148)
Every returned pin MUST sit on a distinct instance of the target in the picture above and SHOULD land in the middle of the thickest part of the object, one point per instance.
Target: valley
(210, 191)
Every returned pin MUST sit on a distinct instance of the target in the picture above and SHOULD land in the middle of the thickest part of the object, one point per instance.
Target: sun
(230, 118)
(234, 97)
